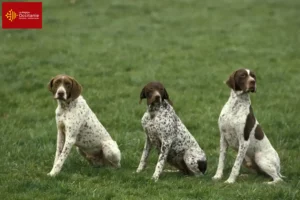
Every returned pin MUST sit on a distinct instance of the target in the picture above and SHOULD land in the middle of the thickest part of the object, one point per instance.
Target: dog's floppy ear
(142, 95)
(231, 81)
(50, 85)
(76, 89)
(166, 96)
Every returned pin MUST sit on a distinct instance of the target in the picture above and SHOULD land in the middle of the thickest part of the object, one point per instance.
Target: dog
(167, 133)
(78, 125)
(240, 130)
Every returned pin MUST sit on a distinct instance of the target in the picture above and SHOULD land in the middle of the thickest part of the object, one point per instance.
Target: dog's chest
(61, 118)
(64, 116)
(153, 132)
(158, 128)
(232, 121)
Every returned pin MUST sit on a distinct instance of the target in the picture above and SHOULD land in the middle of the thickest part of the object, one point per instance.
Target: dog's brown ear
(50, 85)
(142, 95)
(166, 96)
(231, 81)
(75, 90)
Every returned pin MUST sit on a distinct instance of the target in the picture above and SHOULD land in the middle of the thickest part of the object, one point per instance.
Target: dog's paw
(216, 177)
(243, 175)
(51, 174)
(274, 182)
(229, 181)
(139, 170)
(155, 178)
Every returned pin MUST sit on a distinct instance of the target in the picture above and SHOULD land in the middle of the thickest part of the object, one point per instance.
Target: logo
(21, 15)
(11, 15)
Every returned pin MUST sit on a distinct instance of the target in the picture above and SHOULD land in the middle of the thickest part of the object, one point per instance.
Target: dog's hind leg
(194, 162)
(270, 164)
(111, 153)
(96, 160)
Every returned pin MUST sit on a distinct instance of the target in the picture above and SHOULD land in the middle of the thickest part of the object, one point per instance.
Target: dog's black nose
(202, 165)
(252, 82)
(60, 94)
(157, 97)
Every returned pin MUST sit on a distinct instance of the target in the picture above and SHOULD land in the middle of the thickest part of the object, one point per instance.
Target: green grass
(113, 48)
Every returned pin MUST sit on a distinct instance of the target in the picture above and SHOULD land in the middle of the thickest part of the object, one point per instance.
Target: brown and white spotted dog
(165, 131)
(78, 125)
(240, 130)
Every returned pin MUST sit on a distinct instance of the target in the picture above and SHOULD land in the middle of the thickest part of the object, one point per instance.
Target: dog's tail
(278, 171)
(202, 165)
(280, 175)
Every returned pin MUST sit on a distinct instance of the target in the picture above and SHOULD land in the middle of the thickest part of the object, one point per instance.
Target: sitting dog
(240, 130)
(167, 133)
(78, 125)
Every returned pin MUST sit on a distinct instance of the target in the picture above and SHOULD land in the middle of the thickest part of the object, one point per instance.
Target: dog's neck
(237, 97)
(65, 104)
(154, 108)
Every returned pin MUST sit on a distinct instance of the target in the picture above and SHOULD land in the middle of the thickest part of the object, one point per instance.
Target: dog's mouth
(252, 89)
(155, 100)
(60, 98)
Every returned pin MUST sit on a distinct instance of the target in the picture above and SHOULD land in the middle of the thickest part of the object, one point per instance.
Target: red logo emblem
(22, 15)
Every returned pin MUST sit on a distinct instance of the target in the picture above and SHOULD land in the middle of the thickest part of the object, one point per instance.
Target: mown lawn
(113, 48)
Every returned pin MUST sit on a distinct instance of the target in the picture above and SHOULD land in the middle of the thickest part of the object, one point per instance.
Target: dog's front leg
(146, 151)
(223, 150)
(243, 146)
(164, 151)
(70, 141)
(59, 144)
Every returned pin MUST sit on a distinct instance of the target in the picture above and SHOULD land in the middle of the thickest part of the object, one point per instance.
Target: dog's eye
(243, 75)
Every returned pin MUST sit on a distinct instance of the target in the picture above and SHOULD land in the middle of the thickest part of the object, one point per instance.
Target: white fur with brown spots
(78, 125)
(240, 130)
(165, 131)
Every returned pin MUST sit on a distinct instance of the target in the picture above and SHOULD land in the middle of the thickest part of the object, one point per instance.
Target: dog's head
(155, 93)
(64, 88)
(242, 80)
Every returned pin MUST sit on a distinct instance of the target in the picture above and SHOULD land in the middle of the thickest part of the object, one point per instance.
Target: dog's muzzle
(156, 98)
(61, 95)
(252, 86)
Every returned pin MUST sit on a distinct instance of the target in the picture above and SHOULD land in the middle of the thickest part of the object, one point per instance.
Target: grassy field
(113, 48)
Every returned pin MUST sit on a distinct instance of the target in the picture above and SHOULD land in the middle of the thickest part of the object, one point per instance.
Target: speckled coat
(165, 131)
(78, 125)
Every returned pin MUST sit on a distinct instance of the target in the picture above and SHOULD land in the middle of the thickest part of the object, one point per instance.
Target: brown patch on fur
(250, 122)
(76, 89)
(150, 88)
(73, 88)
(238, 80)
(259, 134)
(231, 81)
